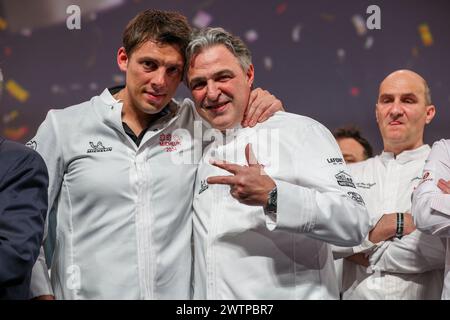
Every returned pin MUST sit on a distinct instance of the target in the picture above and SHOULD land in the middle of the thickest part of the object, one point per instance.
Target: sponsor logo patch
(203, 186)
(32, 144)
(364, 185)
(170, 142)
(99, 147)
(356, 197)
(344, 179)
(335, 161)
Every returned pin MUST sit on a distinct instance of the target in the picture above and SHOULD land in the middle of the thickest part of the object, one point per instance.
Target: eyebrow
(158, 62)
(406, 95)
(218, 74)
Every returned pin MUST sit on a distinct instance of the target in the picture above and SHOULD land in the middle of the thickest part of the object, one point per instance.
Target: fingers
(230, 167)
(252, 113)
(444, 186)
(268, 113)
(250, 156)
(228, 180)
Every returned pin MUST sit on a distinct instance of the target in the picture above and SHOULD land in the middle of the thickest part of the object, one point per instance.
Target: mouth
(153, 97)
(219, 107)
(395, 123)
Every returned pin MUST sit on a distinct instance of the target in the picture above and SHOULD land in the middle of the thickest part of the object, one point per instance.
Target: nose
(396, 110)
(158, 79)
(212, 91)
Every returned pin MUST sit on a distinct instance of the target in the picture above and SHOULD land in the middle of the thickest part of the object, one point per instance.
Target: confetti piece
(359, 24)
(118, 78)
(281, 8)
(26, 32)
(341, 55)
(7, 51)
(202, 19)
(354, 91)
(268, 64)
(10, 116)
(425, 34)
(55, 89)
(93, 86)
(369, 43)
(296, 33)
(17, 91)
(3, 24)
(15, 133)
(415, 52)
(251, 35)
(75, 86)
(328, 17)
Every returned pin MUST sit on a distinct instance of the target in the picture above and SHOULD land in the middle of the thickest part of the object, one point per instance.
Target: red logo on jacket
(169, 141)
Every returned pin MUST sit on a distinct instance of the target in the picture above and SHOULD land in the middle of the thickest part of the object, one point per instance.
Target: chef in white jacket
(431, 201)
(262, 230)
(122, 169)
(396, 261)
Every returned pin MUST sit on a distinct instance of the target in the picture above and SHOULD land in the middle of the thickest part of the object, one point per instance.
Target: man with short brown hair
(121, 196)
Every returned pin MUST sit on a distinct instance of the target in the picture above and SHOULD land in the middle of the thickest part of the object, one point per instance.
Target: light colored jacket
(123, 212)
(240, 253)
(407, 268)
(431, 207)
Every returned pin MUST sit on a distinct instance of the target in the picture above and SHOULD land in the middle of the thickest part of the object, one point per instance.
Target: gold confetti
(17, 91)
(328, 17)
(425, 34)
(3, 24)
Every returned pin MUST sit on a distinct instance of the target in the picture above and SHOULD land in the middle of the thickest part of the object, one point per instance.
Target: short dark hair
(164, 27)
(354, 133)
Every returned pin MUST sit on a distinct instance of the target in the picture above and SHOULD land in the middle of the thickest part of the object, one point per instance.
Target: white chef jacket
(124, 221)
(410, 268)
(240, 253)
(431, 207)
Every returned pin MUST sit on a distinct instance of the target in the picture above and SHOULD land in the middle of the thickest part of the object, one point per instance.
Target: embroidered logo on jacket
(364, 185)
(98, 147)
(203, 186)
(169, 141)
(356, 197)
(344, 179)
(335, 161)
(32, 144)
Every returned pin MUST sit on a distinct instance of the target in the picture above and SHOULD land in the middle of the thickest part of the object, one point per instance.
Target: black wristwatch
(271, 206)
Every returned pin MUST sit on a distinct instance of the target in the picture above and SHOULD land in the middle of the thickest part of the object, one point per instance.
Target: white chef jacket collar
(113, 113)
(406, 156)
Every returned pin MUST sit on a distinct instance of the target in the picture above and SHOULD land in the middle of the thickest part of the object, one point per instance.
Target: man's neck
(396, 149)
(136, 120)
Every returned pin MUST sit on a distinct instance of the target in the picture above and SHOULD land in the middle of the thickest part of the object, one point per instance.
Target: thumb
(250, 156)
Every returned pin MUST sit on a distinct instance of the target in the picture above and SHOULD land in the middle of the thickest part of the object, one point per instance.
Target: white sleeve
(414, 253)
(47, 144)
(431, 207)
(323, 202)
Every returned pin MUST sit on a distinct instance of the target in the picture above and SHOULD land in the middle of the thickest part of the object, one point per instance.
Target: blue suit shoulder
(23, 209)
(13, 153)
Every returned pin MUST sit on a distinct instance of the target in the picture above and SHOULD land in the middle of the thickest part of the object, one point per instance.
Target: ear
(431, 112)
(250, 75)
(376, 112)
(122, 59)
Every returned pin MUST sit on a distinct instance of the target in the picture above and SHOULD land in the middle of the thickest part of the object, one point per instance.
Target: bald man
(396, 261)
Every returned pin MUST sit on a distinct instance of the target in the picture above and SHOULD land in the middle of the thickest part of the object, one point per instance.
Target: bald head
(403, 110)
(412, 77)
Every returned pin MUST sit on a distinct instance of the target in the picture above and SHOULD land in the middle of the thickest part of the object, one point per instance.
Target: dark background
(307, 53)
